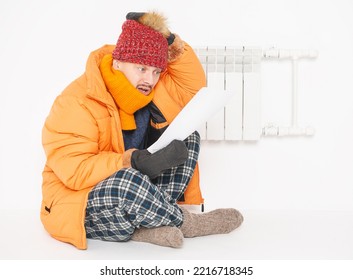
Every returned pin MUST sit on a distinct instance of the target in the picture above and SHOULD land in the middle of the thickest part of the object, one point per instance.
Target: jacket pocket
(155, 131)
(157, 126)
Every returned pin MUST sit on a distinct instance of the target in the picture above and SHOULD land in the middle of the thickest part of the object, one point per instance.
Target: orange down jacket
(83, 141)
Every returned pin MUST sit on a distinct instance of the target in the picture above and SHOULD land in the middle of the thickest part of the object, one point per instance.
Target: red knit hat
(141, 44)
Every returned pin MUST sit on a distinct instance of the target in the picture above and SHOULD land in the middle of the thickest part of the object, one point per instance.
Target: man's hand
(152, 165)
(127, 158)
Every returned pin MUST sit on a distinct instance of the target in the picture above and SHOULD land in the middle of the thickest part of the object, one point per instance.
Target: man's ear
(115, 64)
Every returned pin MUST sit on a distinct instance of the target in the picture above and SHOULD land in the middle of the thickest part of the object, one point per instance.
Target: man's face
(143, 77)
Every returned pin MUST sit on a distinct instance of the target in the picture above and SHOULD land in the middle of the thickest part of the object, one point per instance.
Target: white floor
(268, 235)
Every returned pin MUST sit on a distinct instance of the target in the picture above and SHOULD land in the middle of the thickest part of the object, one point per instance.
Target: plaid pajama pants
(129, 199)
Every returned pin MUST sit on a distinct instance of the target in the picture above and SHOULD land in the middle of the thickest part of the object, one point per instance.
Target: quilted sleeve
(184, 76)
(70, 138)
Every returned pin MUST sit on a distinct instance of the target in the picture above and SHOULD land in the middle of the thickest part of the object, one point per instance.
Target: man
(99, 180)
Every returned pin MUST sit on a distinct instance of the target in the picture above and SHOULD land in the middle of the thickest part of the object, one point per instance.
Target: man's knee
(193, 141)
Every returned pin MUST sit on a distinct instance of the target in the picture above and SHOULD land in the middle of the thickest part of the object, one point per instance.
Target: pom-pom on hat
(141, 44)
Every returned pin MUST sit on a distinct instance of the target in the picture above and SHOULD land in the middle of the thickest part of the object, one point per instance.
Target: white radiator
(238, 69)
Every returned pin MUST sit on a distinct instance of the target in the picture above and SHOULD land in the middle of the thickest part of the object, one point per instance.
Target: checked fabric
(129, 199)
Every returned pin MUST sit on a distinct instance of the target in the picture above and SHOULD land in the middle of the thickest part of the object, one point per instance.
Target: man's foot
(219, 221)
(163, 236)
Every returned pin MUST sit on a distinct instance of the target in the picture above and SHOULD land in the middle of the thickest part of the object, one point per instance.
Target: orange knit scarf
(127, 98)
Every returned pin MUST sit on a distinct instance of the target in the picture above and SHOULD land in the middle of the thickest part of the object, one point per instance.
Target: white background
(45, 44)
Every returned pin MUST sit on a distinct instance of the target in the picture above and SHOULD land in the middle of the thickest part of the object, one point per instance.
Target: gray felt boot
(163, 236)
(219, 221)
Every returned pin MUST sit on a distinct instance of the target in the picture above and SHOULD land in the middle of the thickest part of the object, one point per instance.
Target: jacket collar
(95, 84)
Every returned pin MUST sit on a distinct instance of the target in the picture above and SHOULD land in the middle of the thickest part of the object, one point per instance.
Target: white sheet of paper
(200, 108)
